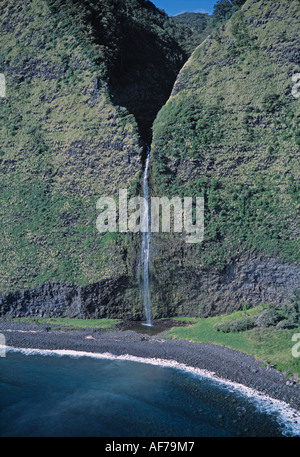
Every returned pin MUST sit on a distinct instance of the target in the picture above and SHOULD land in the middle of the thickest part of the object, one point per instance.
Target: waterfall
(145, 249)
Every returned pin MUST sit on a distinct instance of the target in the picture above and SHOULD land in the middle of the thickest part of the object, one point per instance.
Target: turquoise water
(82, 396)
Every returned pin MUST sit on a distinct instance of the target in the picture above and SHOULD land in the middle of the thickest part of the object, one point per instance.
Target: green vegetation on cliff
(80, 76)
(192, 29)
(224, 9)
(85, 81)
(230, 133)
(131, 44)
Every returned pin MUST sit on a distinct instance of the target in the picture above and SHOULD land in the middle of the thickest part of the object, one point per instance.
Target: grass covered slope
(65, 139)
(230, 132)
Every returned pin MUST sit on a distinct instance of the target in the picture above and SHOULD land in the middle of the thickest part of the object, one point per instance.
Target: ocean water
(66, 396)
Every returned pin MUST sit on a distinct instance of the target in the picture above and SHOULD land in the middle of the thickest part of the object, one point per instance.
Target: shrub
(271, 103)
(268, 318)
(222, 9)
(285, 324)
(291, 311)
(238, 325)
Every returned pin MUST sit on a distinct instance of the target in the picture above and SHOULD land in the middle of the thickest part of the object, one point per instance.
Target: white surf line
(22, 331)
(288, 420)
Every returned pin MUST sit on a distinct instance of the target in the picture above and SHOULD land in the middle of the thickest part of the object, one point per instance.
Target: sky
(173, 7)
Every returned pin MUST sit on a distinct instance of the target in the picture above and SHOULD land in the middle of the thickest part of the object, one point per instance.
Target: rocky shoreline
(225, 363)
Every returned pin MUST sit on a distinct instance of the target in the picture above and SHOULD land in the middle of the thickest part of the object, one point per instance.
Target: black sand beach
(225, 363)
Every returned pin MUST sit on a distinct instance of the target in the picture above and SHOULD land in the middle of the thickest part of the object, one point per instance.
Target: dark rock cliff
(105, 299)
(185, 288)
(196, 292)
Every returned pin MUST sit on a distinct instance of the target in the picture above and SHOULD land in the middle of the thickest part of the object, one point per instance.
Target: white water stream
(145, 249)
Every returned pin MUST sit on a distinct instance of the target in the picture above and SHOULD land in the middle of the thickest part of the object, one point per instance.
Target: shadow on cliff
(143, 75)
(142, 59)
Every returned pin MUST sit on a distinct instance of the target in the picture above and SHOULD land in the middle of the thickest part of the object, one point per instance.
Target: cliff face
(108, 298)
(230, 133)
(82, 89)
(181, 285)
(84, 83)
